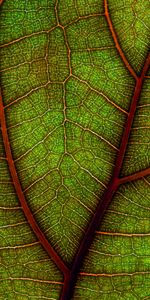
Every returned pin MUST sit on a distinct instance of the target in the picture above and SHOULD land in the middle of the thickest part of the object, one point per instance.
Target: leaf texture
(75, 150)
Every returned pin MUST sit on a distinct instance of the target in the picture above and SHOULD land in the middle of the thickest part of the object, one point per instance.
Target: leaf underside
(75, 150)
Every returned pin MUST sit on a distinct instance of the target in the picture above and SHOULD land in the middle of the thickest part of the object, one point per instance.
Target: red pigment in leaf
(70, 276)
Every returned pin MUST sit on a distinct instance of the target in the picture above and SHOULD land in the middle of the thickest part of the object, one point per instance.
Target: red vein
(112, 275)
(135, 176)
(120, 234)
(1, 2)
(70, 276)
(130, 118)
(115, 38)
(108, 195)
(31, 220)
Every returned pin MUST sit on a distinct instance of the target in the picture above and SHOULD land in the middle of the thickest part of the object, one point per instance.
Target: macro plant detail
(75, 156)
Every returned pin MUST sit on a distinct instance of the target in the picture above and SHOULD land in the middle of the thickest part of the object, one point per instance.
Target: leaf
(74, 148)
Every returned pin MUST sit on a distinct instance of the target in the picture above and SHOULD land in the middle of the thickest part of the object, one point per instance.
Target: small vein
(13, 225)
(87, 171)
(20, 246)
(11, 208)
(28, 36)
(30, 92)
(94, 133)
(32, 279)
(101, 94)
(83, 17)
(113, 275)
(123, 234)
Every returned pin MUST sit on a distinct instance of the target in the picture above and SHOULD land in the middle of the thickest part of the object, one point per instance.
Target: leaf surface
(75, 154)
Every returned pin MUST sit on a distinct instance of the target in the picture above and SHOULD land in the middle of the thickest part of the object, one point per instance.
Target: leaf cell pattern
(75, 150)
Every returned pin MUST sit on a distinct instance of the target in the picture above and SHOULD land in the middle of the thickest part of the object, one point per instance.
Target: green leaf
(75, 150)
